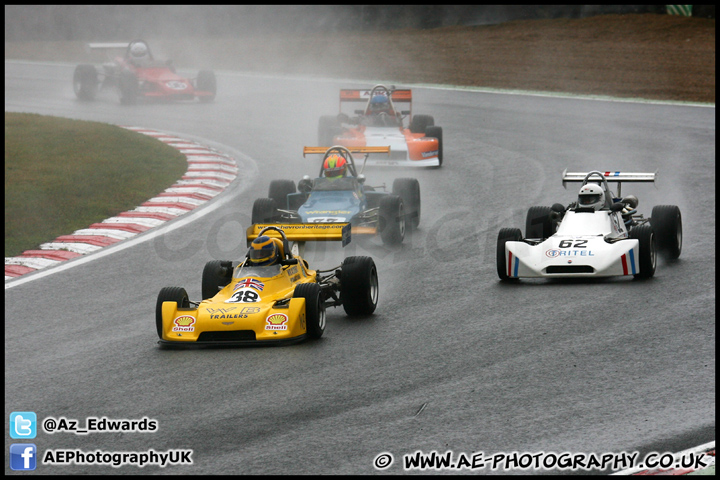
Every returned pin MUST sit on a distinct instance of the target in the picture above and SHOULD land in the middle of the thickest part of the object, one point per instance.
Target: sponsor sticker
(175, 85)
(184, 323)
(276, 321)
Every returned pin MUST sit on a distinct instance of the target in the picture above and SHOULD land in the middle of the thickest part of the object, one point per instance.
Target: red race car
(138, 75)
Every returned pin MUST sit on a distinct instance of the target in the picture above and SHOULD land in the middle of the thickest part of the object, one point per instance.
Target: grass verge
(62, 175)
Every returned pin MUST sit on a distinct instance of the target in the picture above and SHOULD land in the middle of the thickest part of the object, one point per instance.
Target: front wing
(216, 324)
(567, 257)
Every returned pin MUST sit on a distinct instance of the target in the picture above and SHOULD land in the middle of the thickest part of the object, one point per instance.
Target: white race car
(607, 239)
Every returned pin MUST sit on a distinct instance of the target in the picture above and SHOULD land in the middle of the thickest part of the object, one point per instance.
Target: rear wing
(323, 150)
(304, 232)
(352, 95)
(617, 177)
(99, 46)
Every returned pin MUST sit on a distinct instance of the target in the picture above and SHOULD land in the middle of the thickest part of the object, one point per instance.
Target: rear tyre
(169, 294)
(279, 190)
(538, 223)
(216, 275)
(359, 287)
(505, 235)
(648, 250)
(666, 221)
(314, 308)
(436, 132)
(206, 82)
(409, 190)
(85, 82)
(264, 211)
(391, 222)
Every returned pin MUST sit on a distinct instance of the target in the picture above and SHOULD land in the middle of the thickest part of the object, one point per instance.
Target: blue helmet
(264, 251)
(379, 103)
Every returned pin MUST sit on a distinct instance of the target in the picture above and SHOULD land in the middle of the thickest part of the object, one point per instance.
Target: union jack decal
(250, 282)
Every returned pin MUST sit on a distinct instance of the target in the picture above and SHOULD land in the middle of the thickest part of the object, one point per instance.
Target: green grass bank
(62, 175)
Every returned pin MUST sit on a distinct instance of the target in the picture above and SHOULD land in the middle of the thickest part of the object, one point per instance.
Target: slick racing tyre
(264, 211)
(216, 275)
(391, 220)
(409, 190)
(279, 190)
(85, 82)
(538, 223)
(169, 294)
(666, 221)
(505, 235)
(359, 288)
(419, 123)
(314, 308)
(648, 250)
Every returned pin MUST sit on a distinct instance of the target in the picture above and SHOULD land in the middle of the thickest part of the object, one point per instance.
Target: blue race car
(370, 210)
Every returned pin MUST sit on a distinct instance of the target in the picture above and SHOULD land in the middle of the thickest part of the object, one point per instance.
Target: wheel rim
(374, 290)
(321, 316)
(401, 222)
(653, 252)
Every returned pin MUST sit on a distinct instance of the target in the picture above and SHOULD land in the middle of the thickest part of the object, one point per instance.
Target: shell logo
(184, 323)
(276, 321)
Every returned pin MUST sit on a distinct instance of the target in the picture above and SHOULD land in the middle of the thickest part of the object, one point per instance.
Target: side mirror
(616, 207)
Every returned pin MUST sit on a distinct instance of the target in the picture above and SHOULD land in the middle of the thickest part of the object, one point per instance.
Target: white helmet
(591, 196)
(138, 50)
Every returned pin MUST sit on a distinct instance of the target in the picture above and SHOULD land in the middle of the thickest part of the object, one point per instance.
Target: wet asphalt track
(452, 360)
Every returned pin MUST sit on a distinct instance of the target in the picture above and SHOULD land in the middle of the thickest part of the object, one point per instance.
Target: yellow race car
(244, 304)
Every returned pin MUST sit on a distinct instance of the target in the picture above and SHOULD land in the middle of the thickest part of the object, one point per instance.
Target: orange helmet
(335, 166)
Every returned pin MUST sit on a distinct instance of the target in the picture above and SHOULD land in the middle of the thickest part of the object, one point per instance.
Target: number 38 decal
(244, 295)
(569, 244)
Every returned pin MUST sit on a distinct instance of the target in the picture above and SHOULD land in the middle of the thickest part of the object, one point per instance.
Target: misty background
(119, 22)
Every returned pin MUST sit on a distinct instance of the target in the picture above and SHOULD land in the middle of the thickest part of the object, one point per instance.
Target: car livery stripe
(631, 253)
(513, 264)
(623, 258)
(612, 174)
(209, 172)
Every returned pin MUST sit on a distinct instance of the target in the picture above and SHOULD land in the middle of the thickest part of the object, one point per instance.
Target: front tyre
(85, 82)
(391, 222)
(314, 308)
(359, 287)
(648, 251)
(169, 294)
(538, 223)
(264, 211)
(216, 275)
(409, 190)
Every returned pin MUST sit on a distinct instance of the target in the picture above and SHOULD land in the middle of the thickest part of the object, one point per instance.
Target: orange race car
(419, 144)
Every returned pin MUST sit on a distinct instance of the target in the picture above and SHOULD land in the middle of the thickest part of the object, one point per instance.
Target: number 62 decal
(569, 244)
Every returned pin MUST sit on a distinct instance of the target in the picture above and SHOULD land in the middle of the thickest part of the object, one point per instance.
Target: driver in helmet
(379, 104)
(139, 54)
(335, 166)
(264, 251)
(591, 196)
